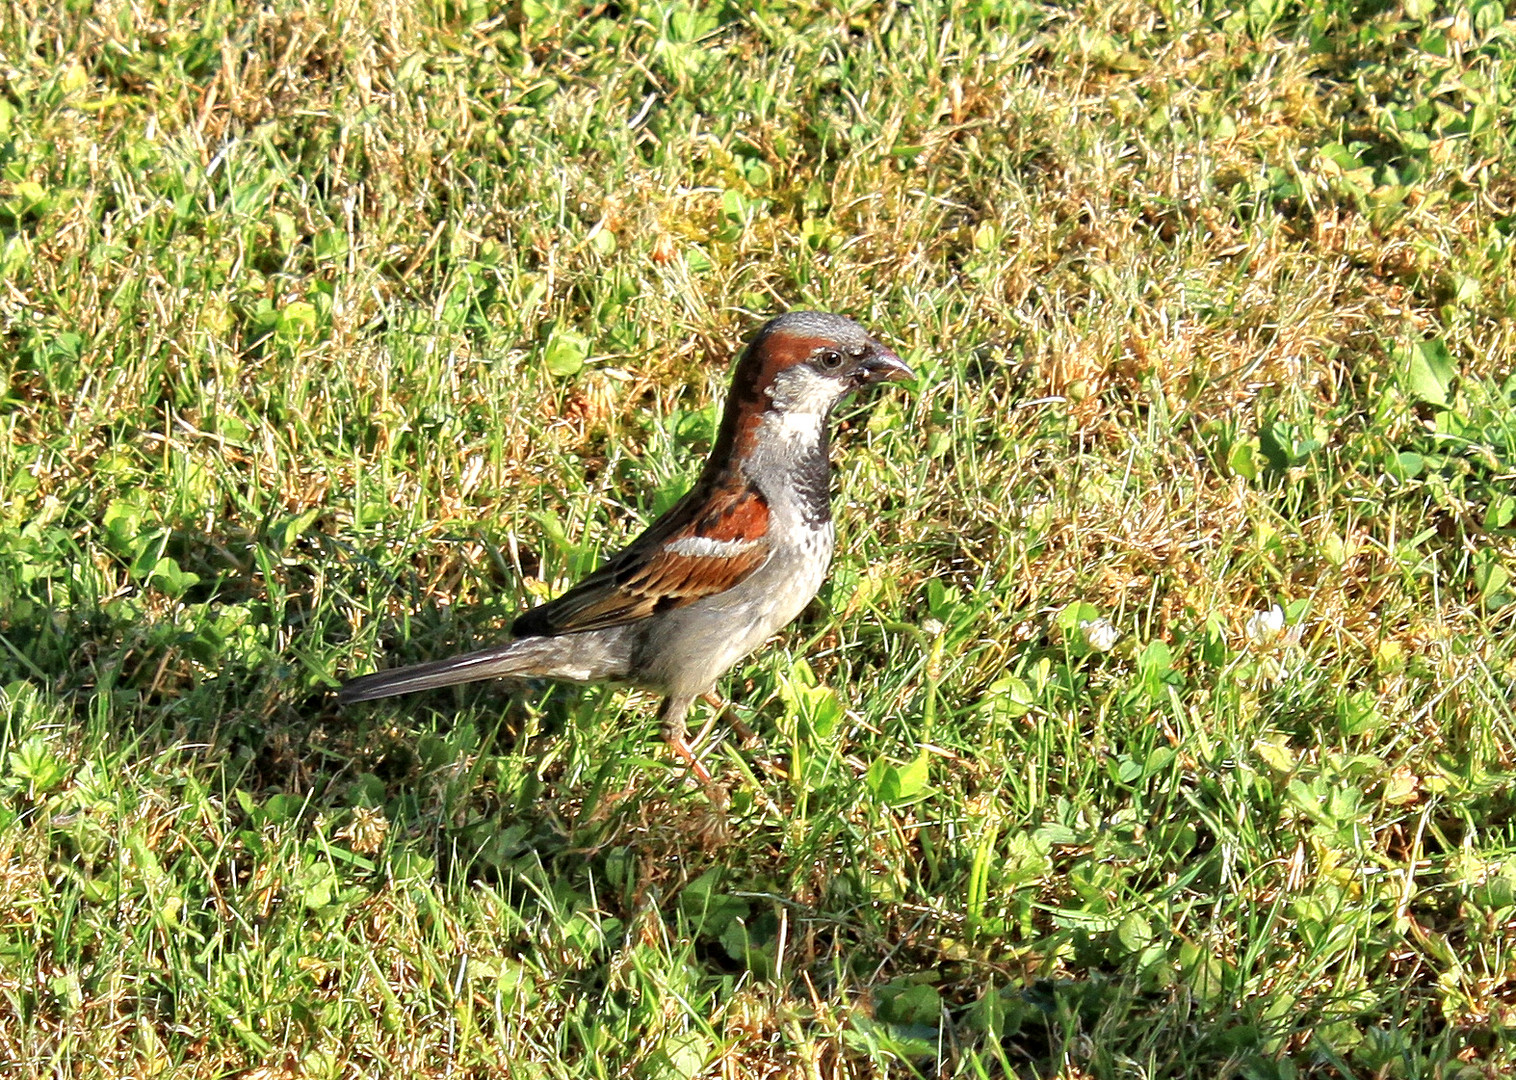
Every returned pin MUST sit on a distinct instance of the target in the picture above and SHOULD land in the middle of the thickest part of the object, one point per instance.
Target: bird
(730, 564)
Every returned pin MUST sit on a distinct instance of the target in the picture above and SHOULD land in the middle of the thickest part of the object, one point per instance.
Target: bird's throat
(798, 450)
(813, 484)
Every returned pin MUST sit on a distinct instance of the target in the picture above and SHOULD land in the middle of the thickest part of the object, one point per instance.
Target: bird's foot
(679, 743)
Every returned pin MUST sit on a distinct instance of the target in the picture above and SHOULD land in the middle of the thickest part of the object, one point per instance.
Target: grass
(1156, 720)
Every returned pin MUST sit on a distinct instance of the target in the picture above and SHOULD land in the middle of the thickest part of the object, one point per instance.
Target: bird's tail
(520, 657)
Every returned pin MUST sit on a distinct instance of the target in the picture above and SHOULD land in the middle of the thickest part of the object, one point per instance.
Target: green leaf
(1155, 668)
(1357, 713)
(708, 909)
(1159, 758)
(330, 244)
(817, 708)
(737, 208)
(943, 601)
(682, 1057)
(35, 764)
(316, 885)
(898, 783)
(1277, 755)
(565, 352)
(1404, 465)
(170, 580)
(1213, 647)
(1072, 615)
(913, 777)
(1155, 660)
(297, 321)
(1006, 698)
(1501, 512)
(1242, 459)
(905, 1002)
(285, 532)
(1428, 373)
(123, 524)
(1490, 574)
(1134, 933)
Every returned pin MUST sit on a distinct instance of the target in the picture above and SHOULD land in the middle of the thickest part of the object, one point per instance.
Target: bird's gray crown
(844, 331)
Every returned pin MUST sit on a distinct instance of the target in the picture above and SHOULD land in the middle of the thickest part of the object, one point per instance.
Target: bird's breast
(687, 649)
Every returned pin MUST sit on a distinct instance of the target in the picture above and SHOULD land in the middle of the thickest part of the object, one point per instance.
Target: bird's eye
(830, 358)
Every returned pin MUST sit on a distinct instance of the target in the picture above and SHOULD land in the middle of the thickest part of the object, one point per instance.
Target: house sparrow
(731, 563)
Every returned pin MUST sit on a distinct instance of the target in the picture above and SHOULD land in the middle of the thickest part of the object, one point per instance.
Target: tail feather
(491, 663)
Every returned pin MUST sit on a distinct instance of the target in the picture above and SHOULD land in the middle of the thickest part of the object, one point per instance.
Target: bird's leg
(728, 712)
(718, 707)
(724, 710)
(750, 739)
(671, 720)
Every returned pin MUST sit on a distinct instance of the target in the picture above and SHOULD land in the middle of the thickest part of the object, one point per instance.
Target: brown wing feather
(664, 567)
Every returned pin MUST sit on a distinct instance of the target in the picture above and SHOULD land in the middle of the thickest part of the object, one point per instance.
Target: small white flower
(1265, 627)
(1099, 634)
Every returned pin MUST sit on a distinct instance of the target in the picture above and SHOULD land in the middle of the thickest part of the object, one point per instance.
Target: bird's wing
(709, 542)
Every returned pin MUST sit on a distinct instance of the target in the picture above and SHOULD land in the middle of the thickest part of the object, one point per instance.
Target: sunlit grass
(1156, 720)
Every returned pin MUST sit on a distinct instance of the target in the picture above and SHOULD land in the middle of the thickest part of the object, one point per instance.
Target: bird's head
(803, 363)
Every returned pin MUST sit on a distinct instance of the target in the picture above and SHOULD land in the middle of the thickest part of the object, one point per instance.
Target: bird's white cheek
(800, 393)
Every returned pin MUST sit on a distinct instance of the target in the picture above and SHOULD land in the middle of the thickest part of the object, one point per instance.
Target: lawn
(1156, 720)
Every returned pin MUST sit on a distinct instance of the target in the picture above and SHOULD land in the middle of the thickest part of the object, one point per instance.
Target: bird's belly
(693, 646)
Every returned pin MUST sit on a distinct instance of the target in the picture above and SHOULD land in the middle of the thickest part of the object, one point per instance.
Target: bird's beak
(884, 366)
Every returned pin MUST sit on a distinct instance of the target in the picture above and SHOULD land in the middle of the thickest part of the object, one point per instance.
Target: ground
(1156, 720)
